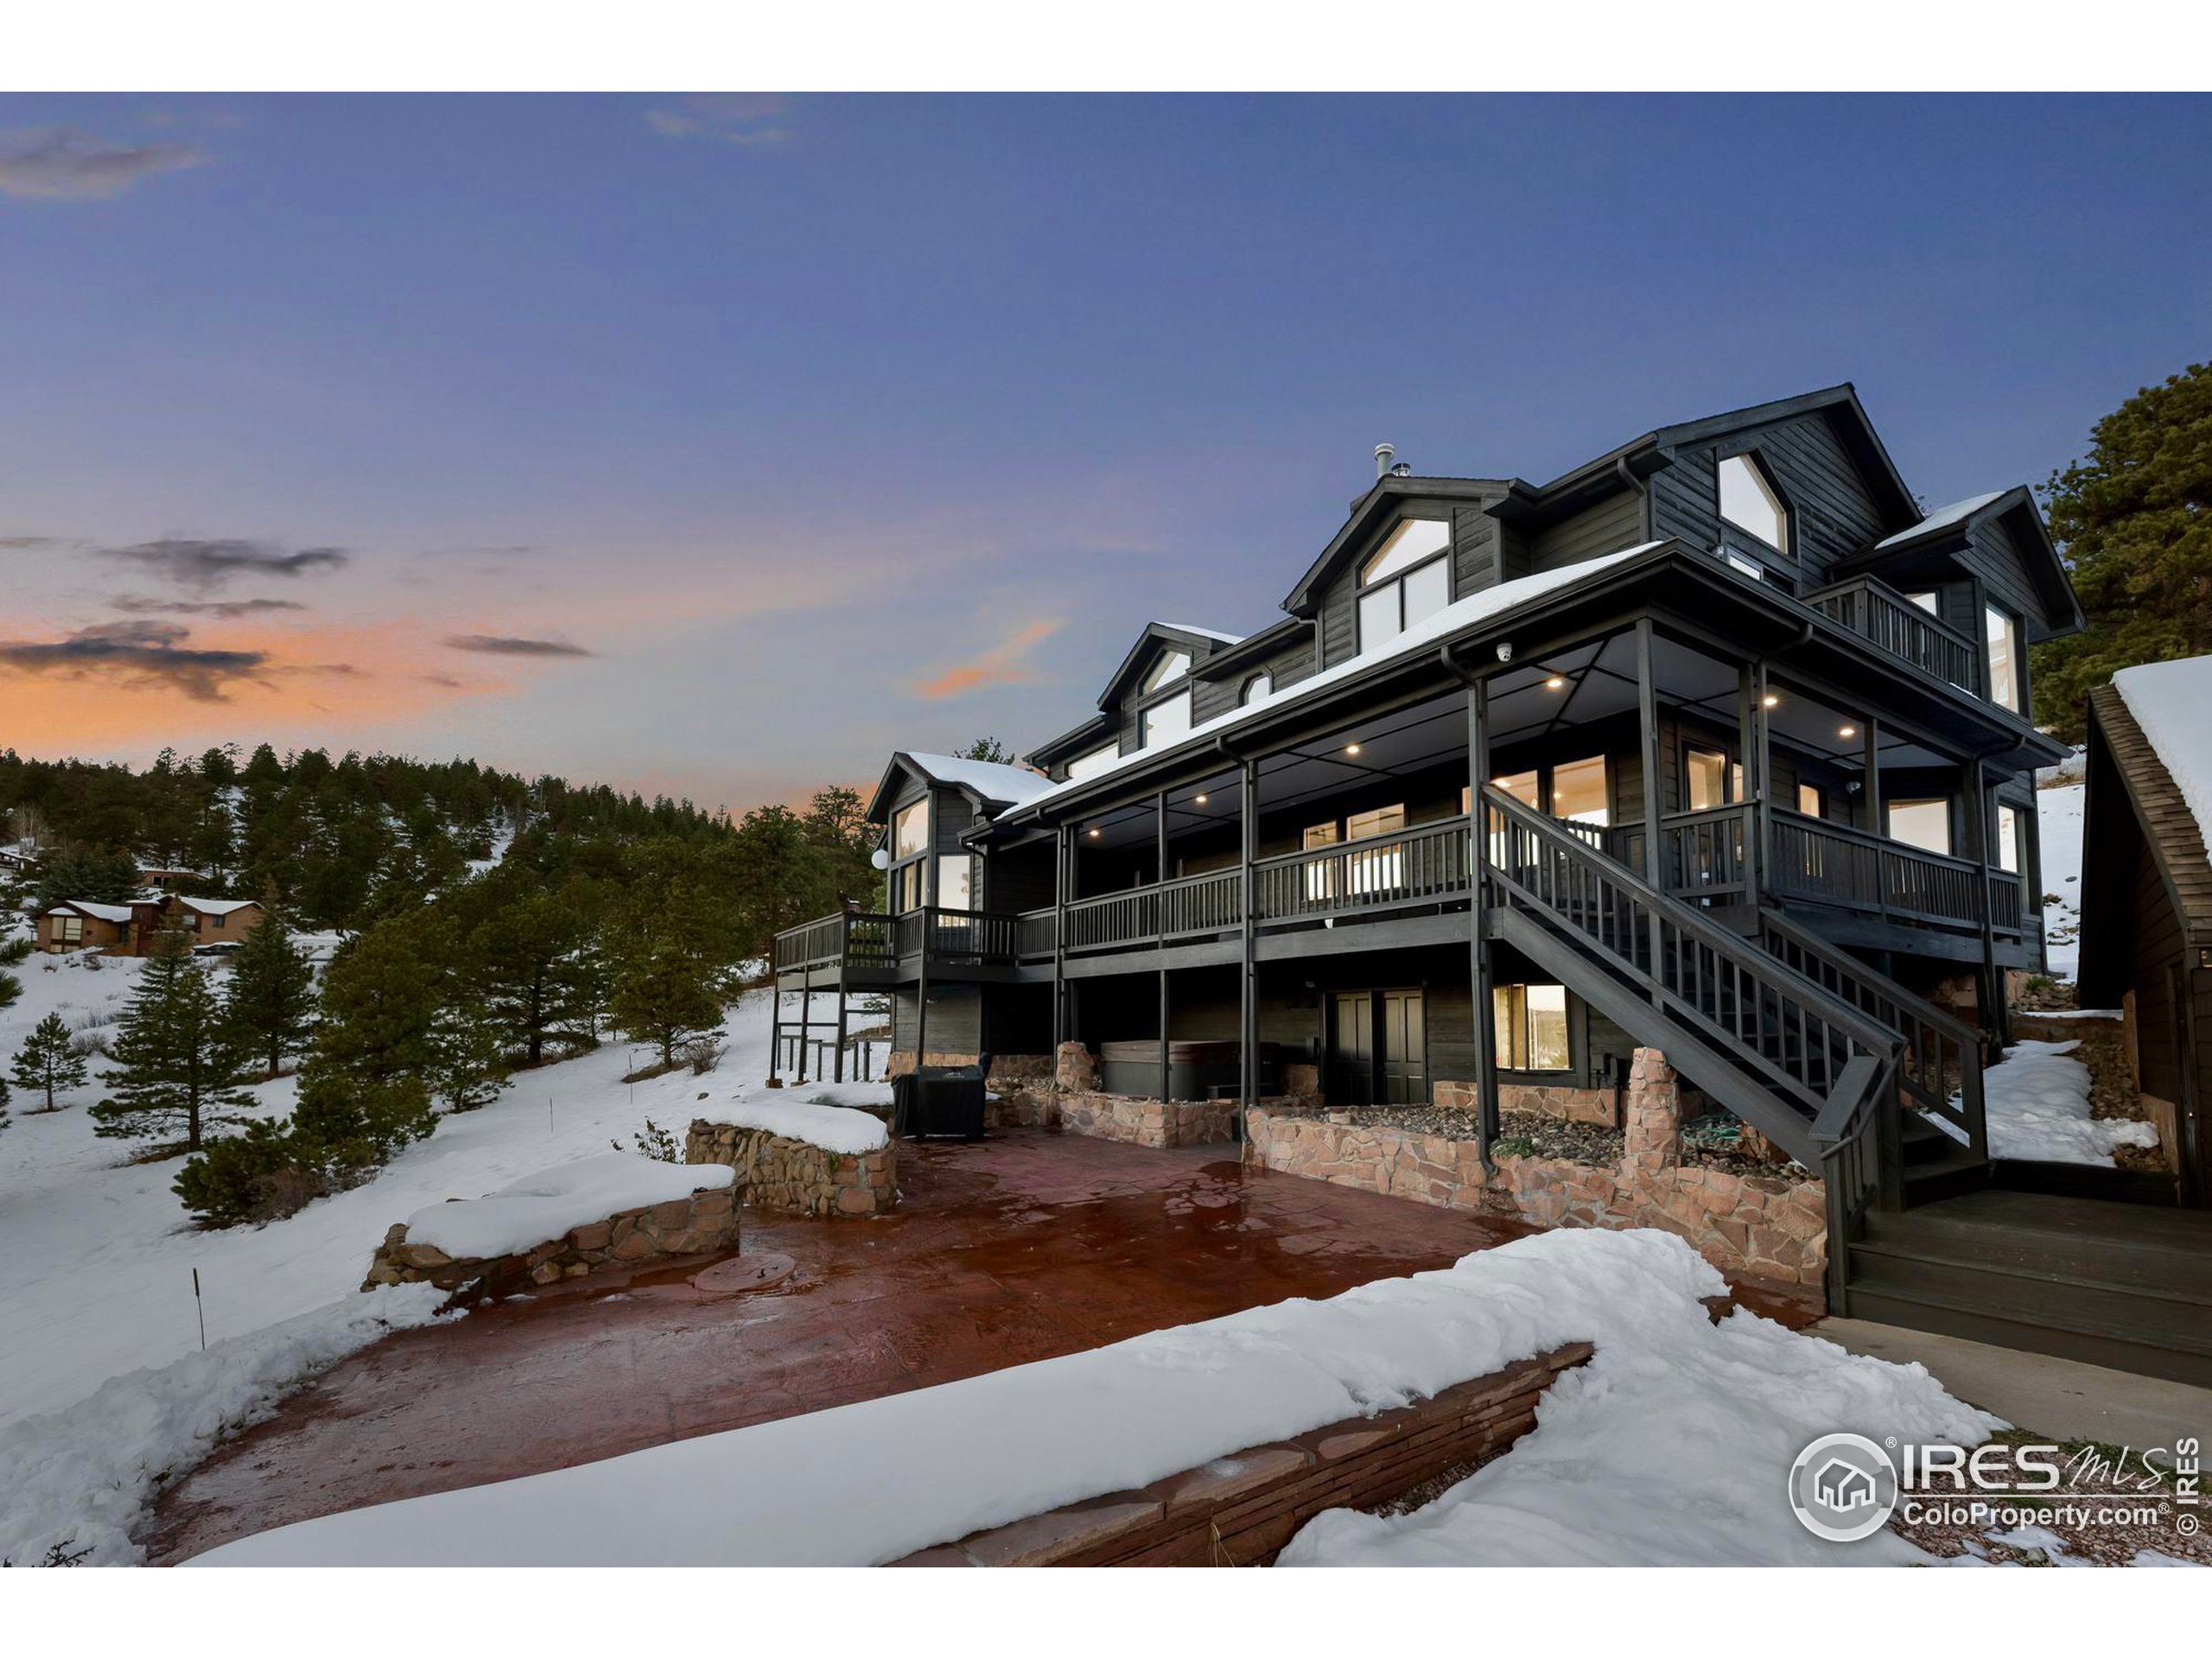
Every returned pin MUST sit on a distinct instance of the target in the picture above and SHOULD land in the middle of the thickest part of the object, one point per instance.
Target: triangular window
(1749, 501)
(1171, 666)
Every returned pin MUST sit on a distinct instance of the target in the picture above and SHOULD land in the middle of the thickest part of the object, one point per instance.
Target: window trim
(2017, 644)
(1764, 470)
(1950, 847)
(1511, 1039)
(1262, 684)
(1177, 688)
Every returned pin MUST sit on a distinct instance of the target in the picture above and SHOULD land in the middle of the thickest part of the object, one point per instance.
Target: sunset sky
(717, 444)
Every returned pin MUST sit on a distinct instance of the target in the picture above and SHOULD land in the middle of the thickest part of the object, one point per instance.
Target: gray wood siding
(1606, 527)
(1474, 551)
(1833, 513)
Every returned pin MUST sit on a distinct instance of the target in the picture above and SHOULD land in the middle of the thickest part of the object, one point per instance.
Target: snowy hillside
(100, 1252)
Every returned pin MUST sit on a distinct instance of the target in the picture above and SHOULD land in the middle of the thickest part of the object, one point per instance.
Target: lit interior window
(910, 830)
(1579, 792)
(1924, 824)
(1531, 1028)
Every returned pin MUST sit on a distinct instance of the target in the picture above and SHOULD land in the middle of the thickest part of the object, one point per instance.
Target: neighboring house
(2146, 898)
(130, 930)
(83, 924)
(1717, 744)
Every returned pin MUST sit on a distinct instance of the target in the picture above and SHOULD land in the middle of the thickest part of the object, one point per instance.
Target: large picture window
(910, 830)
(1090, 765)
(956, 881)
(1925, 824)
(1164, 722)
(1749, 501)
(1405, 580)
(2009, 839)
(1531, 1022)
(1579, 792)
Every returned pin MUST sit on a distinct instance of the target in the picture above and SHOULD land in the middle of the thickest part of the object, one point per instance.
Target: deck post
(806, 1021)
(1165, 1094)
(1485, 1020)
(922, 996)
(1872, 760)
(775, 1023)
(1993, 985)
(844, 957)
(1247, 1028)
(1655, 863)
(1758, 774)
(1060, 880)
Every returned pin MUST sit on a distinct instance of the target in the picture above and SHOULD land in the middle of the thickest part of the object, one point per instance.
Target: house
(1714, 750)
(83, 924)
(2147, 899)
(130, 930)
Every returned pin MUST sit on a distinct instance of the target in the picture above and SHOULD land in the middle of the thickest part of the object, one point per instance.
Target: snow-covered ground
(2058, 812)
(547, 1202)
(1672, 1446)
(2037, 1099)
(100, 1252)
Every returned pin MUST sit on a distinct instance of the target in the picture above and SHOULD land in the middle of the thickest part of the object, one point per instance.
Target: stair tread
(2102, 1220)
(2186, 1341)
(2193, 1293)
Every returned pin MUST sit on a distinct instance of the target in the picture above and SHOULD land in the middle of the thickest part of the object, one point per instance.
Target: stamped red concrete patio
(1026, 1246)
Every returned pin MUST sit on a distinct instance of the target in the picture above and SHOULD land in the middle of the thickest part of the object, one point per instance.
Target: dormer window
(1167, 720)
(1258, 686)
(1749, 501)
(1171, 666)
(1405, 580)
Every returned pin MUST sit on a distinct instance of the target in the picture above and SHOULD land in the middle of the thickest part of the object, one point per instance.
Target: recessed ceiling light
(1351, 748)
(1095, 834)
(1200, 800)
(1769, 701)
(1846, 731)
(1554, 684)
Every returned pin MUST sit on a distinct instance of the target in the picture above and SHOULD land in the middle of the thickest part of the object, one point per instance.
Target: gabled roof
(1947, 530)
(1254, 649)
(216, 906)
(92, 908)
(1200, 643)
(1389, 495)
(990, 783)
(2158, 792)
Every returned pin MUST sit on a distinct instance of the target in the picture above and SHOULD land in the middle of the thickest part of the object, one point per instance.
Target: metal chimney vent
(1384, 455)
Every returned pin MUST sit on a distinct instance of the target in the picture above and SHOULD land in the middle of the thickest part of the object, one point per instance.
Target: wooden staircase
(2121, 1285)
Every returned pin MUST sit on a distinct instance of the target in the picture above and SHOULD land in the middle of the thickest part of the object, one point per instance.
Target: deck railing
(1888, 620)
(1832, 863)
(1413, 867)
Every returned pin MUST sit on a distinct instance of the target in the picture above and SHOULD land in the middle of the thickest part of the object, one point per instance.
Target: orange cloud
(1001, 664)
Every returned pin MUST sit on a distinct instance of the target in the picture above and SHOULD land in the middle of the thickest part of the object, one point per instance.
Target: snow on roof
(2168, 701)
(1486, 606)
(992, 780)
(89, 907)
(215, 907)
(1204, 634)
(1942, 518)
(544, 1205)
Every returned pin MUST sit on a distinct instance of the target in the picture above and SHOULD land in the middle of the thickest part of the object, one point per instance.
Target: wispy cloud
(25, 543)
(137, 654)
(69, 164)
(748, 119)
(209, 565)
(503, 644)
(229, 609)
(1004, 664)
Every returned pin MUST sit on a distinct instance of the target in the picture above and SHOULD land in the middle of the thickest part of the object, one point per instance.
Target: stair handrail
(1972, 1115)
(1864, 1034)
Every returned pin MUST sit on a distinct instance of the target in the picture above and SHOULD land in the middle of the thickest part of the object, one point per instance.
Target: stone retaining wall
(1599, 1106)
(795, 1178)
(703, 1224)
(1768, 1225)
(1241, 1510)
(1149, 1122)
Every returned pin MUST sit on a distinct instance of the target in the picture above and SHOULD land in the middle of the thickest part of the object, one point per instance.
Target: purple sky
(718, 445)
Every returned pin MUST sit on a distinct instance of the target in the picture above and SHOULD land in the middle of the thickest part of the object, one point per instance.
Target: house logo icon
(1842, 1488)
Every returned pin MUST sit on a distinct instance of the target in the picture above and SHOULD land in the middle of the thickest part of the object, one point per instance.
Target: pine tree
(534, 958)
(664, 994)
(271, 999)
(468, 1053)
(45, 1064)
(365, 1087)
(177, 1061)
(2134, 520)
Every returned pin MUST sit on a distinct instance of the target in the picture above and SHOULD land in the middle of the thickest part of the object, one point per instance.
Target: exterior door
(1405, 1050)
(2189, 1158)
(1352, 1050)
